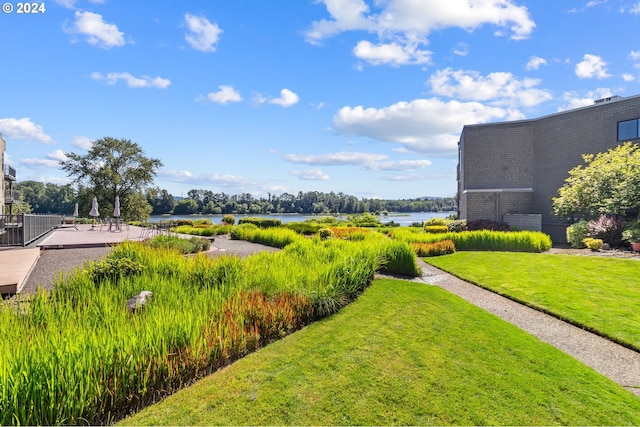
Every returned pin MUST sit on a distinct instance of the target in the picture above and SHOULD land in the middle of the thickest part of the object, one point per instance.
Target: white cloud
(224, 95)
(634, 9)
(402, 26)
(535, 62)
(421, 17)
(423, 125)
(23, 128)
(634, 55)
(82, 142)
(133, 82)
(462, 49)
(311, 175)
(628, 77)
(203, 35)
(399, 165)
(287, 98)
(52, 160)
(391, 53)
(97, 32)
(592, 66)
(576, 100)
(501, 88)
(336, 159)
(233, 184)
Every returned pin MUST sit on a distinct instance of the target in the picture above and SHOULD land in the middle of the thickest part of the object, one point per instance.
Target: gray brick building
(509, 171)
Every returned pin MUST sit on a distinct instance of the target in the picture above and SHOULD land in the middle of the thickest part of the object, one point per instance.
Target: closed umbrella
(116, 212)
(75, 211)
(94, 212)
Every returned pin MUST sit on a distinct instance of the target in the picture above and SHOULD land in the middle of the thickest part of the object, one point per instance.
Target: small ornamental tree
(113, 167)
(608, 184)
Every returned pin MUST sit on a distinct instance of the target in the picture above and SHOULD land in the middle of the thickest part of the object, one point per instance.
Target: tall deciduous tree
(609, 184)
(114, 167)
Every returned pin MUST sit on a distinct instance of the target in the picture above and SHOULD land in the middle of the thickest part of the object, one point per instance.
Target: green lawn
(597, 293)
(404, 353)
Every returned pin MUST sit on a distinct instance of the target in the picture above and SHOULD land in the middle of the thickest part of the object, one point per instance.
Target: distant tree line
(310, 202)
(37, 197)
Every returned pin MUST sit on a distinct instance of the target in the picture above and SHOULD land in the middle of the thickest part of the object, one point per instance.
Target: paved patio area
(87, 236)
(16, 263)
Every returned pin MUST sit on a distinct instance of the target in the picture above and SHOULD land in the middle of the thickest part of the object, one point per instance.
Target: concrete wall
(536, 154)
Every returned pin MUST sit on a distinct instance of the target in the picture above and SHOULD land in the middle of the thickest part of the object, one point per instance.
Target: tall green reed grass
(78, 355)
(482, 240)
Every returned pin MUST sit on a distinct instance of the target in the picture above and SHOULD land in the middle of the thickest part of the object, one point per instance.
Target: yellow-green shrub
(442, 247)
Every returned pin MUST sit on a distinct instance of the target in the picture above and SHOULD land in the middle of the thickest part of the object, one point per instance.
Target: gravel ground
(612, 360)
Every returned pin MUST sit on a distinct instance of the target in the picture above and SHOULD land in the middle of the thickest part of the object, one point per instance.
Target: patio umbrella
(94, 208)
(75, 211)
(116, 207)
(94, 212)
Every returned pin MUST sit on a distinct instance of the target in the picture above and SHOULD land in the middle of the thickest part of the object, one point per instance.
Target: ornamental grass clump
(443, 247)
(275, 237)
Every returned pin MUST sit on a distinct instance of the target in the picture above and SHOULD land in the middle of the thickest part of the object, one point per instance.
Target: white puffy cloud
(576, 100)
(203, 35)
(424, 125)
(233, 184)
(501, 88)
(391, 53)
(97, 32)
(592, 66)
(420, 17)
(224, 95)
(131, 81)
(82, 142)
(402, 26)
(535, 62)
(335, 159)
(23, 128)
(287, 98)
(311, 175)
(52, 160)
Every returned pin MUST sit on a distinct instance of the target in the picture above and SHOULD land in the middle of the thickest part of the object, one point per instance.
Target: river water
(403, 219)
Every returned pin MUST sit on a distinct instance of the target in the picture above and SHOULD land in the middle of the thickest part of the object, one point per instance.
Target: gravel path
(612, 360)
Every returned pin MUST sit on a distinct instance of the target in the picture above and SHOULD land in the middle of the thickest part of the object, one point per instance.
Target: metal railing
(22, 229)
(10, 173)
(11, 196)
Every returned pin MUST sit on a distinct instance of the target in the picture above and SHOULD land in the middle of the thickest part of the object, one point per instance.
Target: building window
(628, 130)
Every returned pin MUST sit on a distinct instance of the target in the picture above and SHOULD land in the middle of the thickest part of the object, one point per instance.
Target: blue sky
(254, 96)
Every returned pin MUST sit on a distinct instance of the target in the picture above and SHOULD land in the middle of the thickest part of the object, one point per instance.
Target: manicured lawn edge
(541, 309)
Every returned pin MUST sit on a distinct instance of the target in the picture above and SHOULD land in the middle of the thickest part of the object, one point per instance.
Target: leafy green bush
(457, 225)
(364, 220)
(443, 247)
(435, 221)
(114, 268)
(261, 222)
(203, 230)
(576, 233)
(228, 219)
(594, 244)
